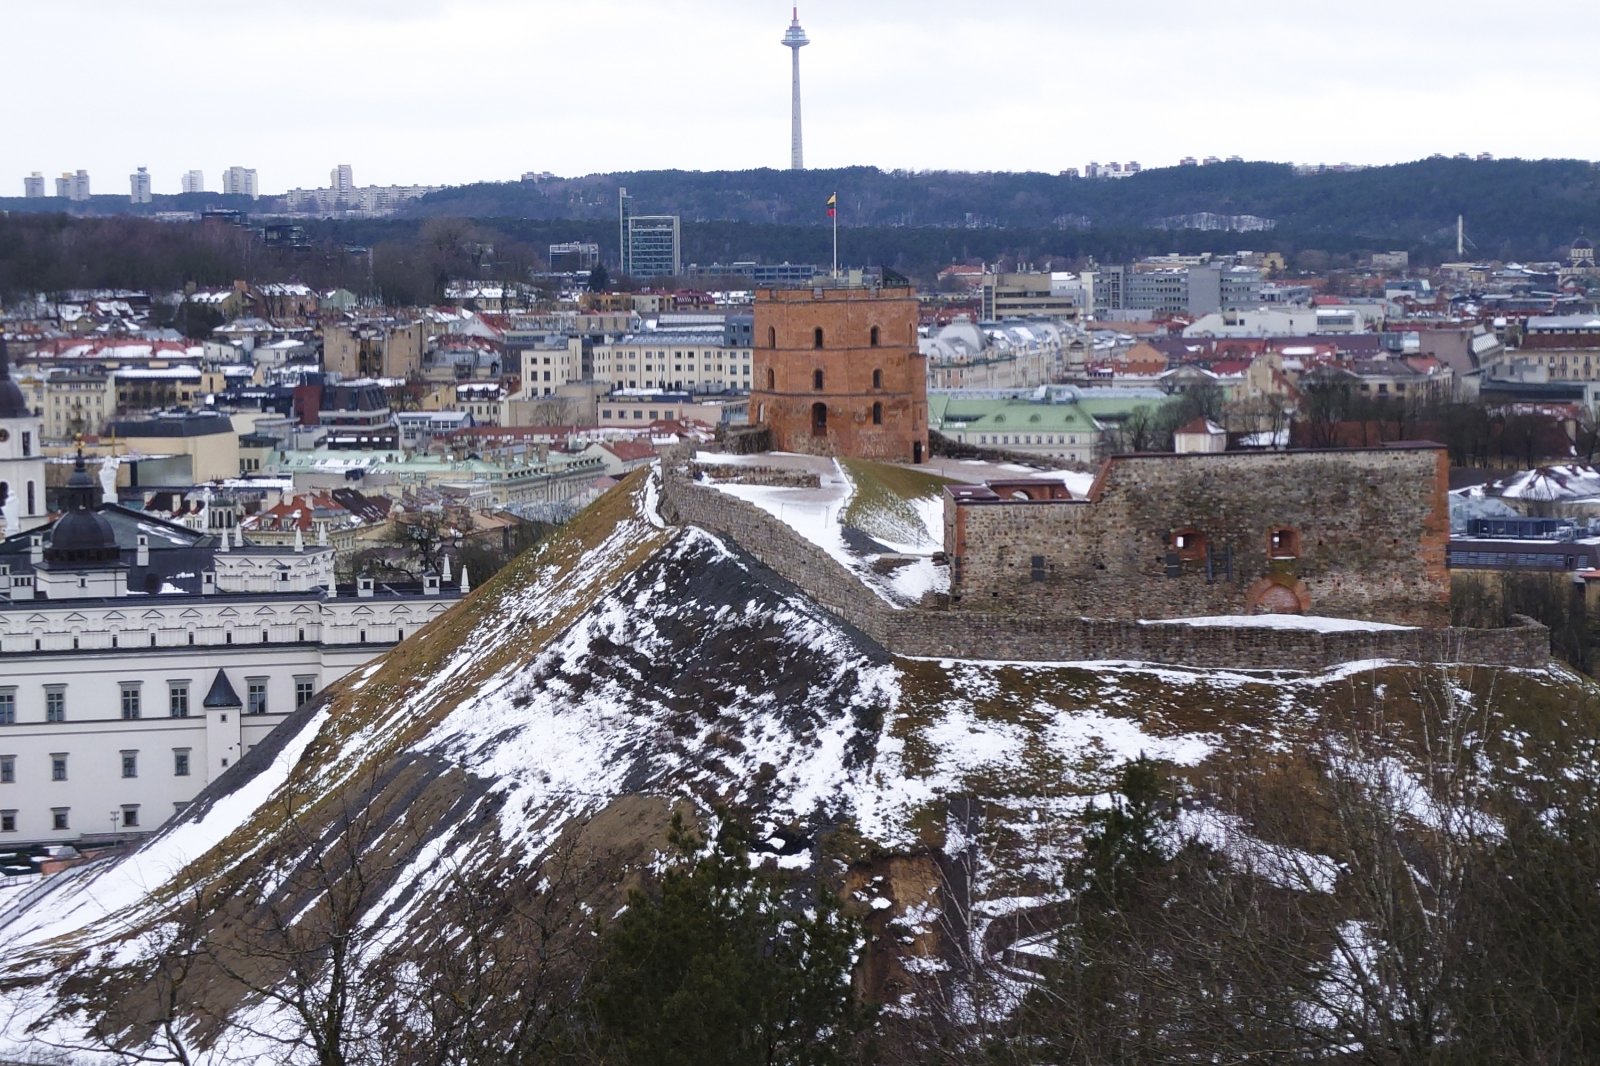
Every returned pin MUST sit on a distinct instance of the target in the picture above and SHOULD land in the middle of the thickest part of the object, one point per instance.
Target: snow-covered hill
(626, 667)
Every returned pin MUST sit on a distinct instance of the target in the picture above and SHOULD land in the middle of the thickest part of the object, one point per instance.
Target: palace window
(8, 769)
(8, 821)
(180, 762)
(178, 699)
(58, 767)
(304, 689)
(55, 703)
(130, 764)
(130, 699)
(60, 818)
(8, 706)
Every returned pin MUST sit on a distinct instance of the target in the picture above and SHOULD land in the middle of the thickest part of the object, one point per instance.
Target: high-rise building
(649, 243)
(33, 186)
(624, 212)
(794, 40)
(241, 181)
(652, 246)
(194, 181)
(139, 186)
(74, 187)
(342, 181)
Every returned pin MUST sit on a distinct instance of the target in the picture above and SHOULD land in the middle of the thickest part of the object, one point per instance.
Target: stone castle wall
(1368, 529)
(970, 634)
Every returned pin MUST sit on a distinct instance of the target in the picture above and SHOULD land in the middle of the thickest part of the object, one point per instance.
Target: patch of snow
(90, 894)
(1087, 731)
(1314, 623)
(1284, 866)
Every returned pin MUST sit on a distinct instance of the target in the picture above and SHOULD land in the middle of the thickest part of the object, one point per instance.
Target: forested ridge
(914, 222)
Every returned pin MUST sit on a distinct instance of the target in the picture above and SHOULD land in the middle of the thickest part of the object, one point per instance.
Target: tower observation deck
(794, 40)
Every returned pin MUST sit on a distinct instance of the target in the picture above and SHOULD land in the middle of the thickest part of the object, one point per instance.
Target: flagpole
(835, 213)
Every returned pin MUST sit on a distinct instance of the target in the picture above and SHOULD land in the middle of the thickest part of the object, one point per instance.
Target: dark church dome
(82, 535)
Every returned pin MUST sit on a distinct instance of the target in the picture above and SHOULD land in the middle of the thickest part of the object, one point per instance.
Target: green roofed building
(1061, 422)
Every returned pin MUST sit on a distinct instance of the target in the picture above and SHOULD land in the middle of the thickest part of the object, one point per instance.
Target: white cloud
(424, 91)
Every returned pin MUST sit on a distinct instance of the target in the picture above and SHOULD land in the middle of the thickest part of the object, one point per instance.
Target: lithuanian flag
(833, 203)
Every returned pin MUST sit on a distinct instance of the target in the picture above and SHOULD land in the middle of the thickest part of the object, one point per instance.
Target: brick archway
(1277, 594)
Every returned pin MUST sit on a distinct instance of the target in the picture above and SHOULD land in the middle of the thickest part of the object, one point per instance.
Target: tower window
(876, 337)
(816, 380)
(772, 379)
(819, 419)
(772, 337)
(1283, 543)
(877, 414)
(816, 337)
(877, 375)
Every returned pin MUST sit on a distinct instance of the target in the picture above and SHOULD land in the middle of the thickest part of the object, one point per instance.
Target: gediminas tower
(838, 372)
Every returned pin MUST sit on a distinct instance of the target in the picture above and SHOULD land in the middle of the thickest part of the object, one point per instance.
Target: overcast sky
(452, 91)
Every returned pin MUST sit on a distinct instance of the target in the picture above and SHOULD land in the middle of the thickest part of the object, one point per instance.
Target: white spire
(299, 540)
(466, 586)
(444, 570)
(238, 535)
(322, 535)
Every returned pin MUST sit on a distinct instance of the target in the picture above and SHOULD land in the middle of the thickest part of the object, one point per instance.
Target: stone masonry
(970, 634)
(1357, 533)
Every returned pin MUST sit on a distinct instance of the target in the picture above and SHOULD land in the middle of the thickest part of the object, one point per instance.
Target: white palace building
(139, 658)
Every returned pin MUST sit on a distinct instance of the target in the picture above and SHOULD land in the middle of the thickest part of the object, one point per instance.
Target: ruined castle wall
(971, 634)
(1369, 530)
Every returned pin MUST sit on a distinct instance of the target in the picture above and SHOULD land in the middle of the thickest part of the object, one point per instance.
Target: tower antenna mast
(794, 40)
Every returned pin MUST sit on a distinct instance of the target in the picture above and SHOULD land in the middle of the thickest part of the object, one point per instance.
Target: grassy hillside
(498, 782)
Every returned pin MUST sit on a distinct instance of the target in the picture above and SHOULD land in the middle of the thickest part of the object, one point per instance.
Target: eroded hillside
(518, 762)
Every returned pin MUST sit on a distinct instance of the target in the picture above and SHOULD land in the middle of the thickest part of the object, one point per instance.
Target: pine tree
(711, 967)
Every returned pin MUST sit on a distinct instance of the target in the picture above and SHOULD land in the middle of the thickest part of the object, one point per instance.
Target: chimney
(36, 549)
(141, 556)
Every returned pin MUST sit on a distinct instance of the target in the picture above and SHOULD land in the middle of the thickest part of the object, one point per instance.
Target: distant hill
(918, 221)
(1514, 208)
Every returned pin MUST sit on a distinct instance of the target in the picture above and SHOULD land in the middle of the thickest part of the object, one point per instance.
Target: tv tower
(795, 40)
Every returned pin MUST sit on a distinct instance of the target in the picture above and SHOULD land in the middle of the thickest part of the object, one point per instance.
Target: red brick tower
(838, 372)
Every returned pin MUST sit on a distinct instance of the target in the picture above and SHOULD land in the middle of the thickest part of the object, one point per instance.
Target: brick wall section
(968, 634)
(1372, 527)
